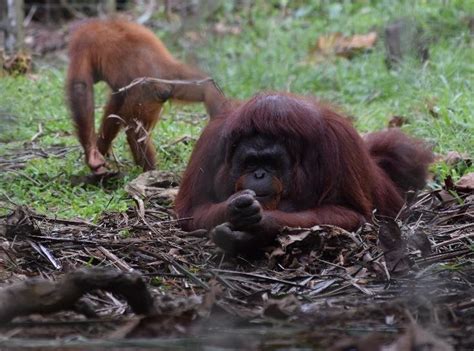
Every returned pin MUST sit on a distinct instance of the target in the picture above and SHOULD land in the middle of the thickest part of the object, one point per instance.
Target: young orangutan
(118, 52)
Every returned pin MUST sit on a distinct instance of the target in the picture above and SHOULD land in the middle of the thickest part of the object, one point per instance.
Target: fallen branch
(44, 296)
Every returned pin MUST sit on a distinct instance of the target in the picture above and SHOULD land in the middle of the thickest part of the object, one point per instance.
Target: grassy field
(272, 52)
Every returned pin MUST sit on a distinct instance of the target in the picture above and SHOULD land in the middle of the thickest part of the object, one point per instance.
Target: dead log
(44, 296)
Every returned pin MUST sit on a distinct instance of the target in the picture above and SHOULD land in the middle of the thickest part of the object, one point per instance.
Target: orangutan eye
(273, 164)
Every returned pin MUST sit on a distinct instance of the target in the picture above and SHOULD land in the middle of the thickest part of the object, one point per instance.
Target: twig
(43, 251)
(115, 260)
(450, 241)
(455, 229)
(443, 256)
(38, 134)
(28, 18)
(64, 221)
(144, 80)
(94, 243)
(258, 276)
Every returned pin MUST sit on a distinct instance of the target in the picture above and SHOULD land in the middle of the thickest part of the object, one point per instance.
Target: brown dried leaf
(453, 158)
(421, 242)
(325, 45)
(337, 44)
(21, 223)
(466, 183)
(356, 44)
(445, 197)
(287, 240)
(397, 121)
(393, 246)
(154, 184)
(18, 64)
(277, 252)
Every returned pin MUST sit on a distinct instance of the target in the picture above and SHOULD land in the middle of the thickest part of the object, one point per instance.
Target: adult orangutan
(282, 160)
(118, 52)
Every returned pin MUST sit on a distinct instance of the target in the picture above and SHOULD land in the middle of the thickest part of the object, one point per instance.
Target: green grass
(271, 53)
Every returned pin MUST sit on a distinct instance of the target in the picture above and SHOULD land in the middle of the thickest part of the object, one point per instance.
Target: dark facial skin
(262, 165)
(260, 168)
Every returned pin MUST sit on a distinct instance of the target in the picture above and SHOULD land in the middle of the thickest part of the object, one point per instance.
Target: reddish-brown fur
(271, 204)
(337, 178)
(117, 52)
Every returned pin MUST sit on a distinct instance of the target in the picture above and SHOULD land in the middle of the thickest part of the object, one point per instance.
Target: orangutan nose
(259, 174)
